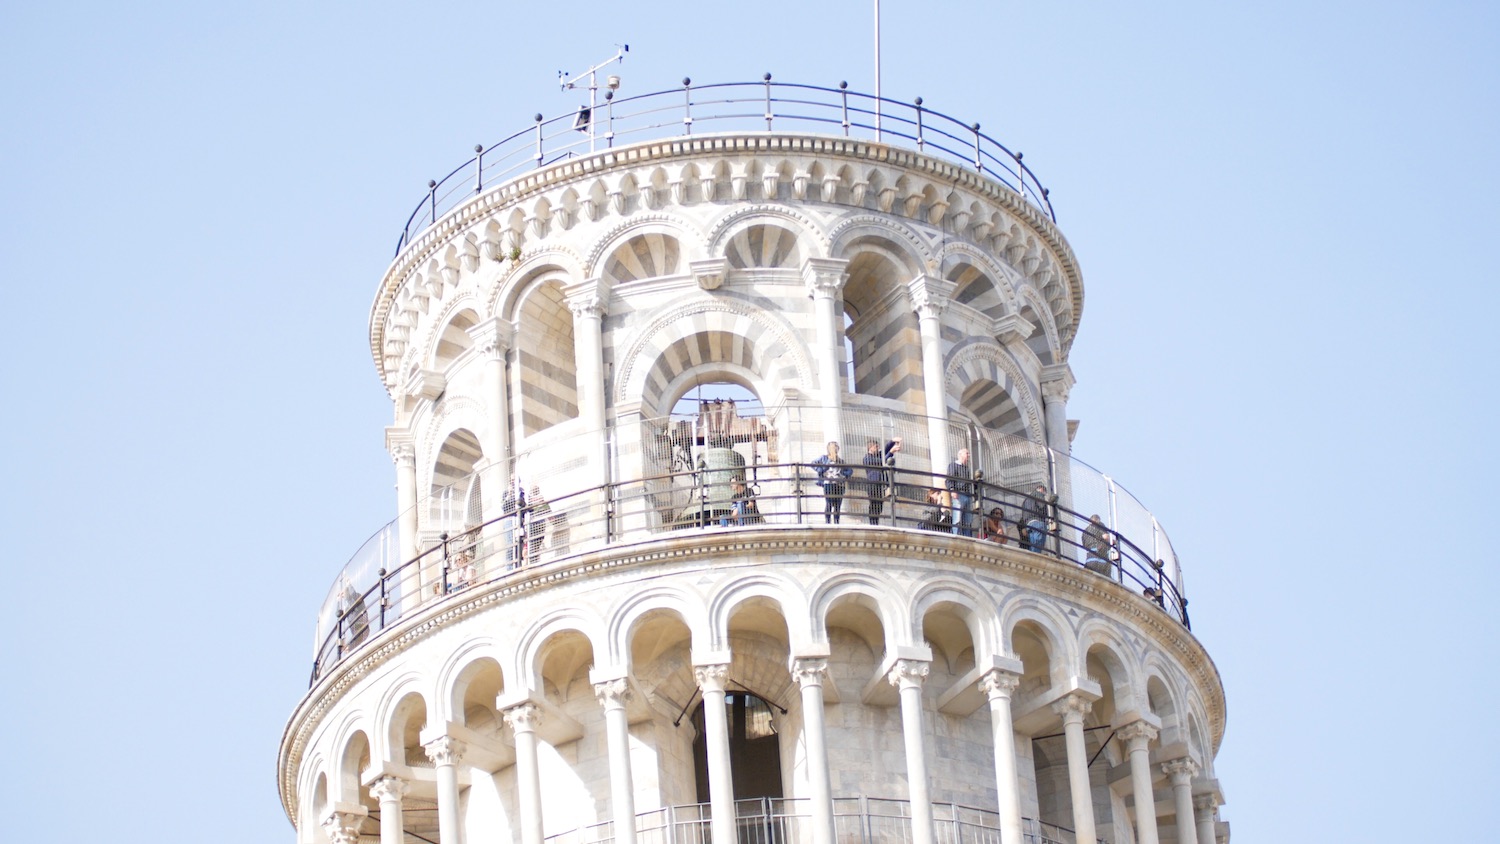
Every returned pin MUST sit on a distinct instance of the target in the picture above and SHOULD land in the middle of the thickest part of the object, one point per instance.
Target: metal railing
(538, 531)
(857, 820)
(764, 106)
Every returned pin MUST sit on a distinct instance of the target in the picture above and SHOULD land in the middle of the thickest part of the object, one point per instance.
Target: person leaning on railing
(878, 475)
(961, 490)
(1034, 518)
(993, 528)
(1096, 544)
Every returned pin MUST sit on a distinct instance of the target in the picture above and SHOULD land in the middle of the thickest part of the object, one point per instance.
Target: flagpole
(877, 70)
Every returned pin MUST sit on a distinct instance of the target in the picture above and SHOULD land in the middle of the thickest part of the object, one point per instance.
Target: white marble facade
(530, 331)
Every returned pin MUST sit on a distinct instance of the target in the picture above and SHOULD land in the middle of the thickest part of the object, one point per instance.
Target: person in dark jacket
(1034, 520)
(878, 476)
(961, 490)
(833, 475)
(1096, 544)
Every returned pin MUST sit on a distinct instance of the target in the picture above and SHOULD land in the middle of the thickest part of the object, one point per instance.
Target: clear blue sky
(1286, 218)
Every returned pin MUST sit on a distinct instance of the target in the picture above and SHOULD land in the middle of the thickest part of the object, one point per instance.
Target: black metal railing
(529, 533)
(775, 820)
(764, 106)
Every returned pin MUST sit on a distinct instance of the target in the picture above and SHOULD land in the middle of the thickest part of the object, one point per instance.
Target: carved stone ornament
(524, 718)
(1073, 706)
(1138, 731)
(1181, 771)
(613, 694)
(444, 750)
(996, 683)
(389, 789)
(711, 678)
(343, 827)
(810, 672)
(908, 673)
(404, 455)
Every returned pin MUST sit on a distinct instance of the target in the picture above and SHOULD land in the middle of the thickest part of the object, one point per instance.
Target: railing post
(978, 162)
(1020, 173)
(768, 102)
(443, 538)
(478, 168)
(432, 199)
(609, 111)
(844, 95)
(538, 155)
(383, 599)
(687, 105)
(919, 124)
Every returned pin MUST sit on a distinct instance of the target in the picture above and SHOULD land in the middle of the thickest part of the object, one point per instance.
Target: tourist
(833, 476)
(961, 491)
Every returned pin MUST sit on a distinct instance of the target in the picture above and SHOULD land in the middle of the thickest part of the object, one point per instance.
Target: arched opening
(754, 748)
(763, 246)
(548, 383)
(884, 340)
(455, 339)
(705, 460)
(649, 255)
(455, 496)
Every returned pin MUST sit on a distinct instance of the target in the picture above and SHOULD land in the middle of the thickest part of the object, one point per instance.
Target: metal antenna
(585, 119)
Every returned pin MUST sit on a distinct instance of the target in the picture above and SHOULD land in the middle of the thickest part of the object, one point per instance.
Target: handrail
(540, 531)
(866, 820)
(654, 116)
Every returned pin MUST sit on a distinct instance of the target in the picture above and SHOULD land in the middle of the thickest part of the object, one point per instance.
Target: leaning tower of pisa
(629, 593)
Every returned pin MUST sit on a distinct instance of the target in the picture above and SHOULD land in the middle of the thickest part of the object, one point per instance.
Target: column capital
(493, 337)
(711, 678)
(402, 445)
(929, 295)
(909, 673)
(1205, 804)
(809, 671)
(1057, 381)
(444, 750)
(1073, 706)
(1180, 770)
(998, 683)
(342, 824)
(524, 717)
(825, 277)
(1138, 731)
(613, 694)
(588, 298)
(388, 789)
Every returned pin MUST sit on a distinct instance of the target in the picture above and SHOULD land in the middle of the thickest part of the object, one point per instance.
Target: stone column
(998, 686)
(907, 675)
(929, 298)
(493, 338)
(342, 824)
(809, 674)
(1203, 808)
(613, 696)
(389, 791)
(1057, 382)
(589, 301)
(523, 721)
(398, 441)
(825, 279)
(445, 753)
(1072, 709)
(1181, 771)
(716, 726)
(1138, 736)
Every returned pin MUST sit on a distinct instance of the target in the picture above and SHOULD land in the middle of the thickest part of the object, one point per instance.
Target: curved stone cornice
(606, 243)
(727, 225)
(984, 560)
(829, 151)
